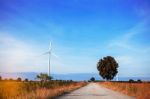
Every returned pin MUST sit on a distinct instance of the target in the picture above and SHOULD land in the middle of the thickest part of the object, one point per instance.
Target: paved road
(94, 91)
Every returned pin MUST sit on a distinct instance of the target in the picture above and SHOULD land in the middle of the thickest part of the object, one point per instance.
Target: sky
(81, 32)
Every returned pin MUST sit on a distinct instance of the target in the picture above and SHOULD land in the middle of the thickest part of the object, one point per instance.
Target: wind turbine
(117, 77)
(49, 52)
(49, 60)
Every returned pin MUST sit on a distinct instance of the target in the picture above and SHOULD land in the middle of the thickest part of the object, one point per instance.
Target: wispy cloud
(124, 41)
(133, 55)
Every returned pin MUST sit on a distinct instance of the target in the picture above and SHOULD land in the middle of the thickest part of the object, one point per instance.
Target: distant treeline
(27, 80)
(129, 81)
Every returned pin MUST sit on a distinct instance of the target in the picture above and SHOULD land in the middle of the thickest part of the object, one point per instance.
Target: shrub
(10, 79)
(26, 80)
(92, 79)
(131, 80)
(139, 81)
(19, 79)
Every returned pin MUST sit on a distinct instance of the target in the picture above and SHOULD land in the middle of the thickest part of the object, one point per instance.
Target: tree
(10, 79)
(43, 77)
(0, 78)
(92, 79)
(139, 81)
(107, 67)
(131, 80)
(19, 79)
(26, 80)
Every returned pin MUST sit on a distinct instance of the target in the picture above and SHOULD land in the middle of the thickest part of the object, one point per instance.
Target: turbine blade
(50, 46)
(55, 55)
(46, 53)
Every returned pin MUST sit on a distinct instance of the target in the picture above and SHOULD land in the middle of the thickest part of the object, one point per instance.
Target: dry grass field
(36, 90)
(138, 90)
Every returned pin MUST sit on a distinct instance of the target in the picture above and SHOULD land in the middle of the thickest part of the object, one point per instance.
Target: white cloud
(132, 56)
(124, 41)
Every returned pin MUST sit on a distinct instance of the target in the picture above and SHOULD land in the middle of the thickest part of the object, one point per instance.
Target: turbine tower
(49, 58)
(117, 77)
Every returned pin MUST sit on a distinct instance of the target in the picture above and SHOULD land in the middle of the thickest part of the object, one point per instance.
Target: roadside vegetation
(140, 90)
(17, 89)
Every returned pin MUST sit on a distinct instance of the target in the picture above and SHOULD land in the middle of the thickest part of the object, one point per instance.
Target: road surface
(94, 91)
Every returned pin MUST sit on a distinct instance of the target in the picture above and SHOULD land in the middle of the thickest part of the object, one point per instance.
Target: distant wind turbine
(49, 63)
(49, 57)
(117, 77)
(49, 53)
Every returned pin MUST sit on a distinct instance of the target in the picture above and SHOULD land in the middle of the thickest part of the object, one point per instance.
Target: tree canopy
(92, 79)
(107, 67)
(19, 79)
(43, 77)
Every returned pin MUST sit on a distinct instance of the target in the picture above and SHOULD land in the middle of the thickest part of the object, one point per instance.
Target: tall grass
(138, 90)
(36, 90)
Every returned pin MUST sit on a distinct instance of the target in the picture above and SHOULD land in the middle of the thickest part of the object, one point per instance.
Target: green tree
(139, 81)
(92, 79)
(19, 79)
(26, 80)
(107, 67)
(43, 77)
(10, 79)
(131, 80)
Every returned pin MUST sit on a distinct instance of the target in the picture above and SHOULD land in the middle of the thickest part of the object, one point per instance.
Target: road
(94, 91)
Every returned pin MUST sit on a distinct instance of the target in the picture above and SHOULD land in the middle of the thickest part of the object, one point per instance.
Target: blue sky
(81, 31)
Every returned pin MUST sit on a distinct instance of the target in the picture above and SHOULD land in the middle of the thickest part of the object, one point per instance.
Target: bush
(131, 80)
(19, 79)
(139, 81)
(92, 79)
(10, 79)
(26, 80)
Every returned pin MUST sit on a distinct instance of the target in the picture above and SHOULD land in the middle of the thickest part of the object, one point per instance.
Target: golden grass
(35, 90)
(138, 90)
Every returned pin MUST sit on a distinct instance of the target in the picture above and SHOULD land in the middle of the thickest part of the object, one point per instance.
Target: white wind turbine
(117, 77)
(49, 61)
(49, 52)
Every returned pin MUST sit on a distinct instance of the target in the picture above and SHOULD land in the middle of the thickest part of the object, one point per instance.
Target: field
(138, 90)
(36, 90)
